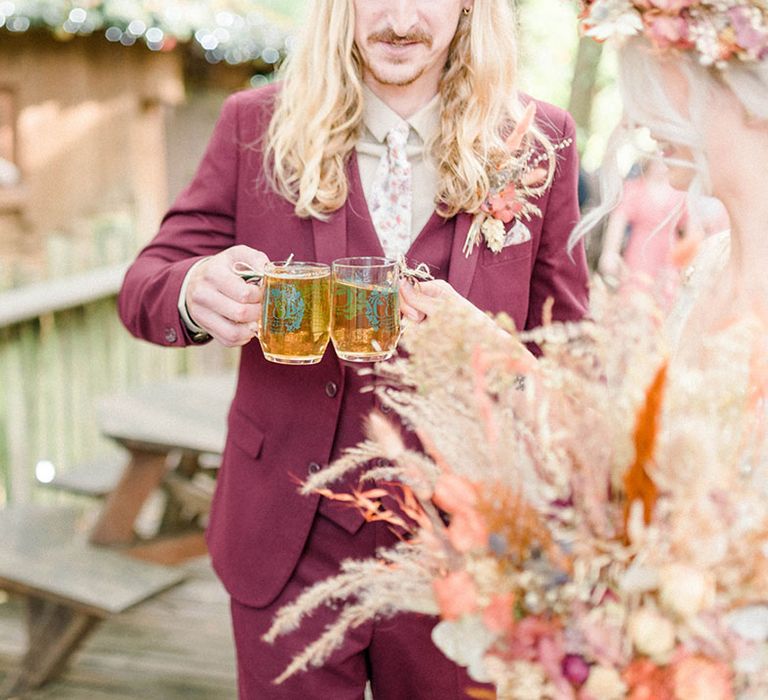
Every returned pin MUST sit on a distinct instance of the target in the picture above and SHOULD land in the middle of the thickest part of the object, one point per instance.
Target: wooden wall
(104, 136)
(89, 139)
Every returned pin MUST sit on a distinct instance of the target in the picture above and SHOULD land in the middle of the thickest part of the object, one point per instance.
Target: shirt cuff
(197, 333)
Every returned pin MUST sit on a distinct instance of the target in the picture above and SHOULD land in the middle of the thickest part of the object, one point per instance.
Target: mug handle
(245, 272)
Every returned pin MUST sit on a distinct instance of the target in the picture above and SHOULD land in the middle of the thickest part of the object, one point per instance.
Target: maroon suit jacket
(284, 420)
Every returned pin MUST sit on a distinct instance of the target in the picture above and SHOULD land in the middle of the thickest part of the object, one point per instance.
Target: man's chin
(394, 77)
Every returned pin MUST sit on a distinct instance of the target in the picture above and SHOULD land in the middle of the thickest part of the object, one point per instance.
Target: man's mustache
(389, 36)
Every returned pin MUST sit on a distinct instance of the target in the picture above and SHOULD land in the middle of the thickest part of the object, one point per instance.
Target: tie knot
(398, 137)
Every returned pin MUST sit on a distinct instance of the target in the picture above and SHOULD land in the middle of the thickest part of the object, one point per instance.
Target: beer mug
(295, 322)
(365, 313)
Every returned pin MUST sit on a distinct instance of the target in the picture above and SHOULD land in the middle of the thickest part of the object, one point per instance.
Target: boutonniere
(515, 179)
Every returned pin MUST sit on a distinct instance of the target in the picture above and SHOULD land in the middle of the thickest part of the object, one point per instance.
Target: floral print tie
(391, 195)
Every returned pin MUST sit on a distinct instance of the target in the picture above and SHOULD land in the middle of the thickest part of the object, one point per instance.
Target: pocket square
(518, 234)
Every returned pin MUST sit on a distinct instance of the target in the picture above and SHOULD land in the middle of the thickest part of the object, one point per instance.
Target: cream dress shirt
(378, 120)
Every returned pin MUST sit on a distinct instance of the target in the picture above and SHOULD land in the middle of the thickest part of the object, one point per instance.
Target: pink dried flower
(527, 635)
(702, 678)
(457, 496)
(499, 614)
(515, 181)
(540, 640)
(468, 531)
(747, 35)
(454, 493)
(575, 669)
(666, 31)
(455, 594)
(504, 205)
(672, 7)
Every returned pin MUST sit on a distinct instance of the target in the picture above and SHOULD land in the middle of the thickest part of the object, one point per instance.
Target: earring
(467, 11)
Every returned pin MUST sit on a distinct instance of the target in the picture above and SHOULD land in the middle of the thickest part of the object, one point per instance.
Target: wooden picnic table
(166, 427)
(68, 586)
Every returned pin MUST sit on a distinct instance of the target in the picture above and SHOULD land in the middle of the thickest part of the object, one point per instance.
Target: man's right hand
(220, 302)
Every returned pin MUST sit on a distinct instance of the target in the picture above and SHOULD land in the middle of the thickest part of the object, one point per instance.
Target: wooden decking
(177, 645)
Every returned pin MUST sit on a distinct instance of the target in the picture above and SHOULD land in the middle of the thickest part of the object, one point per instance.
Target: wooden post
(583, 83)
(143, 474)
(17, 430)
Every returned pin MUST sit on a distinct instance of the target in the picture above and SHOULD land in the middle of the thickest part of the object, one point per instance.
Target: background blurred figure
(654, 232)
(644, 228)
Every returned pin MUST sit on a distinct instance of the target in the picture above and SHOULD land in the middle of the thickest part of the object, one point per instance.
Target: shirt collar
(380, 119)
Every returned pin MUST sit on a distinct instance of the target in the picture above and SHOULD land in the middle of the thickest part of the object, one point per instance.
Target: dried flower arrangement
(591, 525)
(516, 179)
(718, 31)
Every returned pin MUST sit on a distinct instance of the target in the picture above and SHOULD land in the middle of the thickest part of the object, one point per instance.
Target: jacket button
(331, 389)
(170, 335)
(313, 468)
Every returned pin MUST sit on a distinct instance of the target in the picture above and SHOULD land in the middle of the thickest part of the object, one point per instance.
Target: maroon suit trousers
(397, 652)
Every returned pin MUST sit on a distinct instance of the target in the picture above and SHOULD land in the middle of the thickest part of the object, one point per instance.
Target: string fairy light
(230, 31)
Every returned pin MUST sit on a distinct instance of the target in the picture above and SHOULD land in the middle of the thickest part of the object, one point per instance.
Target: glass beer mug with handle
(365, 312)
(295, 321)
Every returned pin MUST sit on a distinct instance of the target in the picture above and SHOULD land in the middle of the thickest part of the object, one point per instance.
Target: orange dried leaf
(516, 137)
(684, 251)
(331, 495)
(480, 694)
(372, 493)
(638, 485)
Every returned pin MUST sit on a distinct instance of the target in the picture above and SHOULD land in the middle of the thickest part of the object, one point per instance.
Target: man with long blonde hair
(391, 132)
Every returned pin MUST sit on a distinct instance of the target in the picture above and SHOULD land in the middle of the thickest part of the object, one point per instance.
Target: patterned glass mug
(365, 308)
(295, 322)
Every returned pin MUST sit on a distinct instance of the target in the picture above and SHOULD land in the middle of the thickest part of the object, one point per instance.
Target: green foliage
(290, 8)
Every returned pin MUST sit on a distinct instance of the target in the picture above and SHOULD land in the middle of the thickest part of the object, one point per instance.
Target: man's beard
(398, 82)
(388, 36)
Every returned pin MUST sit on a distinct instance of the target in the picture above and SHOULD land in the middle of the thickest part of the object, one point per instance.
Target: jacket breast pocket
(518, 251)
(245, 434)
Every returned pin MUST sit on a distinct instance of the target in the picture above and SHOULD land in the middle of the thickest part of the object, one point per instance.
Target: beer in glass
(365, 313)
(295, 323)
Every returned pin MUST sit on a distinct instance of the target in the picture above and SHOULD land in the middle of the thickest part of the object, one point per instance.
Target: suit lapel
(462, 268)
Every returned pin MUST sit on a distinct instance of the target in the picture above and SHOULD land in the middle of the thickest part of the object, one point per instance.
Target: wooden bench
(69, 586)
(95, 479)
(188, 487)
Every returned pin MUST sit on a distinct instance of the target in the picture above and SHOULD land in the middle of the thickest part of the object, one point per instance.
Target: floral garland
(719, 31)
(223, 30)
(515, 179)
